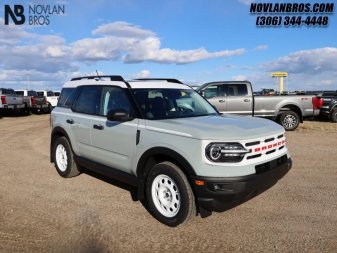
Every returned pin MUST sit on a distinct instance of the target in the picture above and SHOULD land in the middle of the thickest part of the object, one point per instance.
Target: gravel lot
(42, 212)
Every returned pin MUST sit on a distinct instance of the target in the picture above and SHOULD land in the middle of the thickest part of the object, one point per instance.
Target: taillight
(33, 99)
(3, 100)
(317, 102)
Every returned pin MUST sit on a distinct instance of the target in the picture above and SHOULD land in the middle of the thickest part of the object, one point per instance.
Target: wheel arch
(156, 155)
(291, 107)
(57, 132)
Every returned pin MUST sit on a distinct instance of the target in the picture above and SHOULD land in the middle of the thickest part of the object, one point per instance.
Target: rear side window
(236, 90)
(87, 99)
(66, 98)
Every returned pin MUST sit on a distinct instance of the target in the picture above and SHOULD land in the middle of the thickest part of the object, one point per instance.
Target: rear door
(84, 108)
(113, 142)
(215, 95)
(239, 99)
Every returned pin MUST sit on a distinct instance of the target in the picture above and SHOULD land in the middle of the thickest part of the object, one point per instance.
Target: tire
(334, 115)
(63, 158)
(289, 120)
(169, 195)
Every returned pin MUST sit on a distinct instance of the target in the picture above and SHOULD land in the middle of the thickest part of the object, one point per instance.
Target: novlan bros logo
(38, 14)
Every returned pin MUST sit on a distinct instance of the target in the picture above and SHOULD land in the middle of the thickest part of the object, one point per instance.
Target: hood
(222, 128)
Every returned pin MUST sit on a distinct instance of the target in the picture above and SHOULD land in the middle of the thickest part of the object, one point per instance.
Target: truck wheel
(169, 194)
(334, 115)
(64, 159)
(289, 120)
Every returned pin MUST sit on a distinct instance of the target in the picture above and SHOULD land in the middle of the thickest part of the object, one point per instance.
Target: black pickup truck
(329, 107)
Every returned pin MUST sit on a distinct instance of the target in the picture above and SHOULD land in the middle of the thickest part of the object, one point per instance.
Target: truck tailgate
(12, 99)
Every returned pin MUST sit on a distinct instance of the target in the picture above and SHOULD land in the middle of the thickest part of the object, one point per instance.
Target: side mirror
(118, 115)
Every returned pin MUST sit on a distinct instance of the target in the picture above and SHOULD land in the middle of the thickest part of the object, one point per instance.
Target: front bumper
(220, 194)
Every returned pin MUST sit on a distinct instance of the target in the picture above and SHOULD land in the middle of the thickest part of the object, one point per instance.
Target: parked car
(51, 98)
(167, 141)
(329, 106)
(237, 97)
(32, 101)
(9, 100)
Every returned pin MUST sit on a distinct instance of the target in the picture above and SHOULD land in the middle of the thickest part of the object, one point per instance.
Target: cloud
(261, 48)
(50, 57)
(149, 50)
(123, 29)
(239, 78)
(132, 44)
(326, 82)
(306, 61)
(143, 74)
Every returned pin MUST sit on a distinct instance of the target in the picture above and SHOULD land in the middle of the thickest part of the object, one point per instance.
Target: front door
(113, 142)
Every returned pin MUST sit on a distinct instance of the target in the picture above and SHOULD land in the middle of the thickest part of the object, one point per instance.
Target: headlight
(226, 152)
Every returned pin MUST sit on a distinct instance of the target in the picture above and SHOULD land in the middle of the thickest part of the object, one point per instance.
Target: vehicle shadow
(129, 188)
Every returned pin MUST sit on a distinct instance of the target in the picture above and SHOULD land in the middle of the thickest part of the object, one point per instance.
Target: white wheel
(61, 158)
(169, 194)
(165, 195)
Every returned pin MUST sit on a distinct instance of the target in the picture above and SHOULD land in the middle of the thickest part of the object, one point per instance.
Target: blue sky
(194, 41)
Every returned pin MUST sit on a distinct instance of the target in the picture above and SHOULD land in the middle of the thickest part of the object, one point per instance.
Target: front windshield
(172, 103)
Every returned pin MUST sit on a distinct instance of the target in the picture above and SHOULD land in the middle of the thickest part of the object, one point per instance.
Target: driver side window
(113, 98)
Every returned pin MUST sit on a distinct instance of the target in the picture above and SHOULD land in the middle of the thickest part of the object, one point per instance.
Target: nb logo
(17, 16)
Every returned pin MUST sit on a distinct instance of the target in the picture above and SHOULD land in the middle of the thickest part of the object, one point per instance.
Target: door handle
(221, 101)
(98, 127)
(70, 121)
(246, 100)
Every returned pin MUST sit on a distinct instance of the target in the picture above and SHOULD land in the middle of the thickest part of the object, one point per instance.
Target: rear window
(57, 94)
(20, 92)
(7, 91)
(66, 98)
(32, 93)
(50, 94)
(40, 93)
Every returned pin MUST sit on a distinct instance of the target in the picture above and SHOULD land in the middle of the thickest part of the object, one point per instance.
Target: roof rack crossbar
(112, 78)
(171, 80)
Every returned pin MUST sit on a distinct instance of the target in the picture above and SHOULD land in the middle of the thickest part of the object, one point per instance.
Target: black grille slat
(280, 136)
(269, 140)
(253, 156)
(252, 143)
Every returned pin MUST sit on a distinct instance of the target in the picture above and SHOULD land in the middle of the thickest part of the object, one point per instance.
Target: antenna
(97, 73)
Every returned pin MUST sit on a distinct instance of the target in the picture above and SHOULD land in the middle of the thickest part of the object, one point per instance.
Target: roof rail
(171, 80)
(112, 78)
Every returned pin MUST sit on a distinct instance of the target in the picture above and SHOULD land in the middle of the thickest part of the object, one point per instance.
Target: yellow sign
(279, 74)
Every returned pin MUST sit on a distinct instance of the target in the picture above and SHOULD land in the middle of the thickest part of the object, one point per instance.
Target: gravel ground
(42, 212)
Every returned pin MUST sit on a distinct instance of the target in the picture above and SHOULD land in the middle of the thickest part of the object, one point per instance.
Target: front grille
(264, 167)
(264, 147)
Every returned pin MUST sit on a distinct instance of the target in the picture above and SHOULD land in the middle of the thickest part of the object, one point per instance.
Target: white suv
(165, 139)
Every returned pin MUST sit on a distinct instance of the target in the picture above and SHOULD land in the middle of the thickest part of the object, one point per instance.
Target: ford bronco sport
(165, 139)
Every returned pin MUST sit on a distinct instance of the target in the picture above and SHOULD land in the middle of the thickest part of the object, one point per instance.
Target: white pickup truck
(237, 97)
(51, 98)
